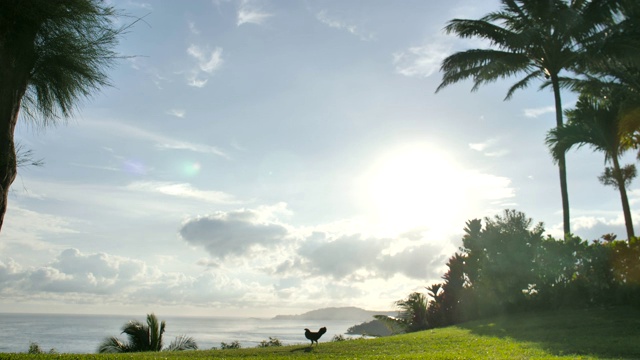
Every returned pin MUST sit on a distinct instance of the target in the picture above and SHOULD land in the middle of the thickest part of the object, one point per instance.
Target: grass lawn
(612, 333)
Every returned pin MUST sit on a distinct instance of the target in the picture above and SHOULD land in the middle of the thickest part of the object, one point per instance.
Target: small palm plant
(145, 338)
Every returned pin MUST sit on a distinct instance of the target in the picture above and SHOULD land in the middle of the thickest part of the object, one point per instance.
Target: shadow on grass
(305, 349)
(608, 333)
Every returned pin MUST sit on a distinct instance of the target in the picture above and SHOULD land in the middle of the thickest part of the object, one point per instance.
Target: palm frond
(138, 335)
(594, 123)
(155, 331)
(181, 343)
(523, 83)
(478, 28)
(113, 345)
(62, 50)
(610, 177)
(483, 66)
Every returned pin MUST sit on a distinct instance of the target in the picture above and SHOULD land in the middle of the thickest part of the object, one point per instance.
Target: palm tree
(412, 315)
(536, 38)
(597, 124)
(145, 338)
(52, 55)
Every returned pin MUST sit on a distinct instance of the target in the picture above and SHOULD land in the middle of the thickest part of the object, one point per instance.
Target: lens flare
(192, 169)
(134, 167)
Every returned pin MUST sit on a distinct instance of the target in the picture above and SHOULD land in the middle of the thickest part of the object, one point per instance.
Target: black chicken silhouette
(314, 336)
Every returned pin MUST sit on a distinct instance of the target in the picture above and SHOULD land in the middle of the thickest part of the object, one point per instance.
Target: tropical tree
(535, 38)
(412, 315)
(147, 337)
(52, 55)
(613, 69)
(597, 124)
(500, 261)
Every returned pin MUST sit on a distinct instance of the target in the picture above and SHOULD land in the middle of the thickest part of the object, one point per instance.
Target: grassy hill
(612, 333)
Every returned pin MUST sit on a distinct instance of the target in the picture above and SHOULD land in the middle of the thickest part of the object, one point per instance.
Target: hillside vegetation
(611, 333)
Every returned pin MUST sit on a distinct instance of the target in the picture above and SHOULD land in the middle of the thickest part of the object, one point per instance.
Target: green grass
(571, 334)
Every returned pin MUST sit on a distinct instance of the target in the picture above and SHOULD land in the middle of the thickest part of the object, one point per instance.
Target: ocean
(83, 333)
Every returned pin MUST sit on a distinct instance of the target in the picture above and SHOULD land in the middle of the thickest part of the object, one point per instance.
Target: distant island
(337, 313)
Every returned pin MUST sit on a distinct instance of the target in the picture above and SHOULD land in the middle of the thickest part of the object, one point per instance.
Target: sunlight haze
(264, 157)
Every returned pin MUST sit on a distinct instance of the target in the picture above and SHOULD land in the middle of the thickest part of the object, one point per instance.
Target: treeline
(507, 265)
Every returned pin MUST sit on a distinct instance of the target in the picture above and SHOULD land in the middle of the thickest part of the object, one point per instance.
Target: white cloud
(30, 231)
(208, 60)
(478, 146)
(484, 147)
(183, 190)
(193, 28)
(195, 82)
(537, 112)
(250, 13)
(180, 113)
(324, 18)
(100, 278)
(489, 187)
(358, 259)
(421, 61)
(232, 233)
(141, 64)
(75, 272)
(160, 141)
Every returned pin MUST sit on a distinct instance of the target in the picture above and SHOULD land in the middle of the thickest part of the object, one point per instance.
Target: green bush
(232, 345)
(273, 341)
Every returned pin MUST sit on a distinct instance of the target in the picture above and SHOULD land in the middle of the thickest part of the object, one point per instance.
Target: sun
(414, 186)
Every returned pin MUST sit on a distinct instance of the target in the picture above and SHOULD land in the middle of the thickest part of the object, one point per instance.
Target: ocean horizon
(68, 333)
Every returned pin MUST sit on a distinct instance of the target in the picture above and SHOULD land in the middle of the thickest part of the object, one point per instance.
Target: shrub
(233, 345)
(273, 341)
(34, 348)
(339, 337)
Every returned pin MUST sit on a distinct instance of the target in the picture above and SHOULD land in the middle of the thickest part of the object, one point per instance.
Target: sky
(263, 157)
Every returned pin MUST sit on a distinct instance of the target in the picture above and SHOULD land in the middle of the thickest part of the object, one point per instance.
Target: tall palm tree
(597, 124)
(52, 55)
(536, 38)
(145, 338)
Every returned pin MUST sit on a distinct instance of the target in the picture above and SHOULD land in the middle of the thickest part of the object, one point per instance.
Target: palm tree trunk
(15, 70)
(9, 107)
(626, 210)
(562, 167)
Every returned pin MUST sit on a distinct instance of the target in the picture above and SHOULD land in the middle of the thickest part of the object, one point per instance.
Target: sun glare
(415, 186)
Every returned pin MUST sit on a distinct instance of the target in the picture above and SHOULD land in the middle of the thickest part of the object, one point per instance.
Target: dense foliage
(506, 265)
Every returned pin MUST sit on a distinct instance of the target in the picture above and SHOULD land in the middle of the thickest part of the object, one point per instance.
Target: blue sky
(262, 157)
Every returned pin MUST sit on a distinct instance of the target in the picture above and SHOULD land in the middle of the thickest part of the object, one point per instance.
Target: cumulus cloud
(98, 278)
(73, 271)
(360, 259)
(232, 233)
(421, 61)
(251, 13)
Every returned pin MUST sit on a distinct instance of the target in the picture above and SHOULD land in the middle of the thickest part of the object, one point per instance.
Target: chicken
(314, 336)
